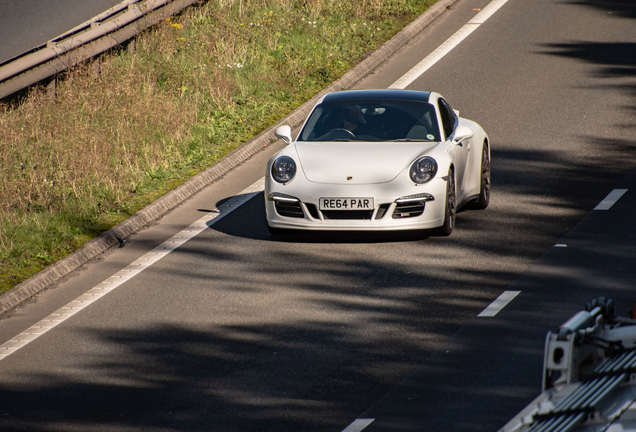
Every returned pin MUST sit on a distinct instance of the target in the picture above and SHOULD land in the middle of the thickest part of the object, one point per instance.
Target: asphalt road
(237, 331)
(26, 24)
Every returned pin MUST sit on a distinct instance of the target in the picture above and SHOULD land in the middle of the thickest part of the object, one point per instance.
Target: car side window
(448, 117)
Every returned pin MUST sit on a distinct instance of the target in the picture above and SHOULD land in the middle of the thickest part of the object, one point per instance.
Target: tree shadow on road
(349, 324)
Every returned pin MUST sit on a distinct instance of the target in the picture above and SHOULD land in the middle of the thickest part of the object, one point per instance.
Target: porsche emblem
(349, 178)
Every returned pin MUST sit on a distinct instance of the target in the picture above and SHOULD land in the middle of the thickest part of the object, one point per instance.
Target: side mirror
(462, 133)
(284, 133)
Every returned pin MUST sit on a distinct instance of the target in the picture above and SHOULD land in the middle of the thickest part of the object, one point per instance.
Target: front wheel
(450, 212)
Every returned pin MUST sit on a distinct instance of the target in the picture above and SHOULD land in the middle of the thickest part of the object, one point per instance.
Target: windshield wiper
(410, 139)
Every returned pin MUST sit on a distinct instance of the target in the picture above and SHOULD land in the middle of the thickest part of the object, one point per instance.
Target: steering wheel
(346, 133)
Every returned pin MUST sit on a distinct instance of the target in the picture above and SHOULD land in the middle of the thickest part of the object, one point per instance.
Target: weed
(195, 88)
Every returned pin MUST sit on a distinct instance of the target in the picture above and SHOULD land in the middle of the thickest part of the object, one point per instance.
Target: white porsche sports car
(378, 160)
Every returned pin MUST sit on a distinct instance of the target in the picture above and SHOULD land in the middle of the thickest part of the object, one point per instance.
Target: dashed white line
(610, 199)
(500, 303)
(358, 425)
(170, 245)
(129, 272)
(448, 46)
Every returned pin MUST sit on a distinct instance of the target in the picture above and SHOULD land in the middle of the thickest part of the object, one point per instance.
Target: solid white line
(130, 271)
(358, 425)
(610, 199)
(448, 46)
(197, 227)
(499, 304)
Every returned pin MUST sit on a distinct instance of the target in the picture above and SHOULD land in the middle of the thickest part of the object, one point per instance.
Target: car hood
(357, 162)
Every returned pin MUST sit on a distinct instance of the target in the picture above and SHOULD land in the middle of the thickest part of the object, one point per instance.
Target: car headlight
(423, 170)
(283, 169)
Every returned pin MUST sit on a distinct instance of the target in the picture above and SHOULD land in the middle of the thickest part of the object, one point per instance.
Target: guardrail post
(94, 68)
(51, 89)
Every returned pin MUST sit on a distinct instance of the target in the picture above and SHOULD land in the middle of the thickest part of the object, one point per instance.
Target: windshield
(385, 120)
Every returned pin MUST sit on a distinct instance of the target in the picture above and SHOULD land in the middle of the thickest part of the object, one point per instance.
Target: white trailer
(589, 376)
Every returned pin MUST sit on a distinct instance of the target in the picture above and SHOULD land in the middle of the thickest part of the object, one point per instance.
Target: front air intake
(290, 209)
(408, 209)
(347, 214)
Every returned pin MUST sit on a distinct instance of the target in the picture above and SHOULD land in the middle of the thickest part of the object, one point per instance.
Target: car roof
(362, 95)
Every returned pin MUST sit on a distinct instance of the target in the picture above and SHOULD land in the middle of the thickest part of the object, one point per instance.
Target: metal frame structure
(589, 376)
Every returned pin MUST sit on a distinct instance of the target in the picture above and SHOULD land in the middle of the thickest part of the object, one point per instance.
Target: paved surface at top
(26, 24)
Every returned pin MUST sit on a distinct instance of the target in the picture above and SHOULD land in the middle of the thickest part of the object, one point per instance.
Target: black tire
(450, 212)
(484, 189)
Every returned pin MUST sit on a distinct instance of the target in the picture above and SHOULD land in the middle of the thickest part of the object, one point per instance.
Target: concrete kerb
(151, 213)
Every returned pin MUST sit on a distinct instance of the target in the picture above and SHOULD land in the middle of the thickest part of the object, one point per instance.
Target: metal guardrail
(107, 30)
(154, 211)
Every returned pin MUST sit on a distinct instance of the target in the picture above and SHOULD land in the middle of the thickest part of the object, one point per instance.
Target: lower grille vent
(408, 209)
(313, 211)
(289, 209)
(382, 210)
(347, 214)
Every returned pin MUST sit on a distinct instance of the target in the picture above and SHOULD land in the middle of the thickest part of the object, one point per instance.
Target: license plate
(346, 204)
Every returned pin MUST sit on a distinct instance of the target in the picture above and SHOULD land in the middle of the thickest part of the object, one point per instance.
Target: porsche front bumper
(396, 206)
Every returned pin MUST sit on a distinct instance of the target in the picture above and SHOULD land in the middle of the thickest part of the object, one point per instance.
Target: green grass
(197, 86)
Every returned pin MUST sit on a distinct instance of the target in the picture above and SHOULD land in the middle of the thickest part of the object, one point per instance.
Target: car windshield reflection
(385, 121)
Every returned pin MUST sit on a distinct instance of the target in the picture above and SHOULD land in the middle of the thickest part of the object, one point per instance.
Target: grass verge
(196, 87)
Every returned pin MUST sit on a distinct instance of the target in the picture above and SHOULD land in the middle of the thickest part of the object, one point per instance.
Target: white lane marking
(499, 303)
(358, 425)
(448, 46)
(130, 271)
(165, 248)
(561, 245)
(610, 199)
